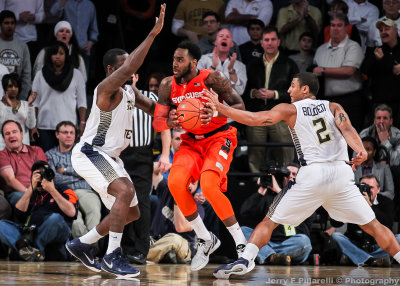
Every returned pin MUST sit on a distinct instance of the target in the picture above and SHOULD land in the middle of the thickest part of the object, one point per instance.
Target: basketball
(189, 113)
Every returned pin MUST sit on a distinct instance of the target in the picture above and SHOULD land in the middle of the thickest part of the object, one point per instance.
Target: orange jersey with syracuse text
(194, 89)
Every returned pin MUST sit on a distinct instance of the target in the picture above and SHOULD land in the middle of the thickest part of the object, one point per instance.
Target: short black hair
(8, 121)
(270, 29)
(39, 164)
(371, 140)
(7, 14)
(193, 49)
(255, 22)
(110, 57)
(341, 5)
(13, 77)
(211, 13)
(309, 79)
(53, 50)
(306, 34)
(66, 123)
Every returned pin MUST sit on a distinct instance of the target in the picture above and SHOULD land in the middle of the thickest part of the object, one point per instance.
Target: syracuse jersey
(194, 89)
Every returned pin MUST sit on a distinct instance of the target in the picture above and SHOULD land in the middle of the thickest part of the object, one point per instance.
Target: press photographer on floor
(356, 246)
(288, 244)
(43, 216)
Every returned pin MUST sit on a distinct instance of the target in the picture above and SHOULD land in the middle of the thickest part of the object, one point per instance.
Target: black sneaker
(29, 253)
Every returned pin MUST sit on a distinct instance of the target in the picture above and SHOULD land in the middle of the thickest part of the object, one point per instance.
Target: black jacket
(282, 73)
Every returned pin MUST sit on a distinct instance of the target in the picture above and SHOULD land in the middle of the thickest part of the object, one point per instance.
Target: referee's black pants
(138, 163)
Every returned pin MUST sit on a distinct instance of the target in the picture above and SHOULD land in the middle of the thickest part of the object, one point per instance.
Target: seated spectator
(187, 20)
(16, 161)
(63, 33)
(5, 208)
(297, 18)
(382, 66)
(59, 157)
(221, 60)
(304, 59)
(167, 223)
(252, 49)
(370, 166)
(61, 95)
(339, 6)
(288, 243)
(3, 71)
(238, 13)
(11, 108)
(356, 246)
(211, 26)
(383, 131)
(50, 213)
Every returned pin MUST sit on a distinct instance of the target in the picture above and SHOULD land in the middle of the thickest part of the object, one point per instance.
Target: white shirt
(261, 8)
(315, 135)
(111, 131)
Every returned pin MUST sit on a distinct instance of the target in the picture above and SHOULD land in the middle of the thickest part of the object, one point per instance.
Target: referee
(138, 161)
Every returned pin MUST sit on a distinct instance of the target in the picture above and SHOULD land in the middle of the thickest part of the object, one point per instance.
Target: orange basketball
(189, 113)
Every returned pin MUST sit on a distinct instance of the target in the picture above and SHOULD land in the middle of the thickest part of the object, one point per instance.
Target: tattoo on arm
(268, 121)
(219, 84)
(342, 117)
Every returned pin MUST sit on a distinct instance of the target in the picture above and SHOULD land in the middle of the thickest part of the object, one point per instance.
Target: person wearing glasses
(59, 158)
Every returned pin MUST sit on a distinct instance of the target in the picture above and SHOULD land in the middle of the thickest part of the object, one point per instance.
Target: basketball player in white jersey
(96, 156)
(320, 130)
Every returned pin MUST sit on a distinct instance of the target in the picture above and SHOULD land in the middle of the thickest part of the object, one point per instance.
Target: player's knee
(209, 182)
(175, 184)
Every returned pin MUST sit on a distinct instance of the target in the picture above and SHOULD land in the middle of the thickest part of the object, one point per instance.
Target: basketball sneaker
(84, 252)
(116, 263)
(239, 267)
(204, 249)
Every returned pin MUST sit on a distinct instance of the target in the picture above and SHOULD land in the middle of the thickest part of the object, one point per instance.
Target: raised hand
(232, 62)
(159, 20)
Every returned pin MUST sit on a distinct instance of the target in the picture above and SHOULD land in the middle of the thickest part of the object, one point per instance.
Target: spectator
(187, 21)
(50, 210)
(19, 110)
(16, 161)
(211, 26)
(63, 33)
(14, 53)
(338, 63)
(239, 12)
(382, 65)
(5, 208)
(82, 17)
(61, 94)
(370, 166)
(391, 10)
(304, 59)
(221, 60)
(3, 71)
(358, 247)
(288, 243)
(28, 14)
(252, 49)
(59, 158)
(296, 19)
(385, 133)
(339, 6)
(268, 81)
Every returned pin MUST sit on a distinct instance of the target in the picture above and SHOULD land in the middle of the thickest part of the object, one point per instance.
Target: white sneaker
(204, 249)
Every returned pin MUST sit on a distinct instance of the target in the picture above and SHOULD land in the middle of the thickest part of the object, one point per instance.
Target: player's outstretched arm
(349, 133)
(221, 85)
(281, 112)
(143, 102)
(135, 59)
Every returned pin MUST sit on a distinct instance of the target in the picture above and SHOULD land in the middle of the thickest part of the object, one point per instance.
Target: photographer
(288, 244)
(358, 247)
(49, 211)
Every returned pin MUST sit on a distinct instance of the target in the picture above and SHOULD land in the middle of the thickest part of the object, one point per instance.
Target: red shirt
(21, 162)
(194, 89)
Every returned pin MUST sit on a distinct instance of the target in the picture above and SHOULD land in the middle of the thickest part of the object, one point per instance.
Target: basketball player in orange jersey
(205, 153)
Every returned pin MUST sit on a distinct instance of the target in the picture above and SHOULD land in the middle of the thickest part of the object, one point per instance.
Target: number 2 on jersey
(321, 132)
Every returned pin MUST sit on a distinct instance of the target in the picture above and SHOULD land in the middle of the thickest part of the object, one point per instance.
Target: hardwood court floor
(74, 273)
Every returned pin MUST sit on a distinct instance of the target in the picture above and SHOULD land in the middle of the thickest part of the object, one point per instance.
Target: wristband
(161, 117)
(232, 72)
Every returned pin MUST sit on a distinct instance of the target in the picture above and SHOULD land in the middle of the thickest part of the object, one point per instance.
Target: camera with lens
(278, 172)
(365, 188)
(47, 173)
